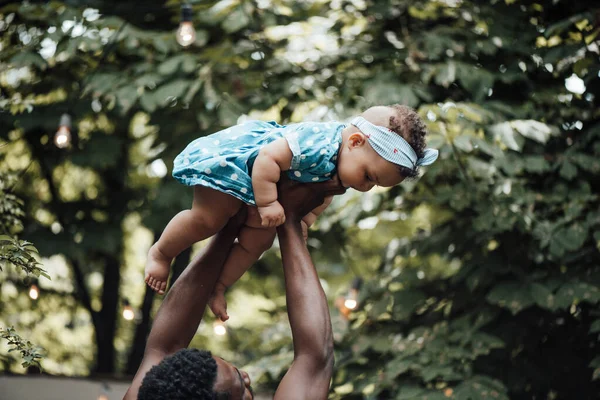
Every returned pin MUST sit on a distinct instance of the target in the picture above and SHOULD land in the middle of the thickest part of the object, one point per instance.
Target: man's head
(193, 374)
(361, 168)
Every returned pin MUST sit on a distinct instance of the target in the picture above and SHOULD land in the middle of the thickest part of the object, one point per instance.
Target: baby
(242, 165)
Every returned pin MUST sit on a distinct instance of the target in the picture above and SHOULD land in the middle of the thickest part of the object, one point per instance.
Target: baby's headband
(391, 146)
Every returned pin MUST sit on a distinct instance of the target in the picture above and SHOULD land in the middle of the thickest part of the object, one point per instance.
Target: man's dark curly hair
(188, 374)
(411, 127)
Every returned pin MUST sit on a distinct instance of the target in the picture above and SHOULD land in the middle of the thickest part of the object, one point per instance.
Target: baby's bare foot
(218, 304)
(157, 270)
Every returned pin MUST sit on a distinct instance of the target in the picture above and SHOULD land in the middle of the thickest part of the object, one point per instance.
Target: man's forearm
(306, 302)
(181, 312)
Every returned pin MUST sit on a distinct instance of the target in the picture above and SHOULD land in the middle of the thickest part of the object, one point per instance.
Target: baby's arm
(271, 160)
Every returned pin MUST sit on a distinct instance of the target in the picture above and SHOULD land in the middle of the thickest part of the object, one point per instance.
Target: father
(168, 372)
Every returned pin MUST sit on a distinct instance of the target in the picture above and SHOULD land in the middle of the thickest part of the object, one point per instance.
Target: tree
(497, 296)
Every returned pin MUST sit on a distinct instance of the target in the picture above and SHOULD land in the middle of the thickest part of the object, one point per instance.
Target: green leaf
(126, 98)
(507, 135)
(406, 301)
(408, 392)
(568, 170)
(571, 292)
(534, 130)
(559, 27)
(487, 147)
(445, 373)
(397, 366)
(516, 297)
(572, 237)
(27, 59)
(383, 90)
(160, 44)
(481, 168)
(463, 142)
(148, 102)
(476, 80)
(543, 296)
(171, 66)
(407, 96)
(536, 164)
(169, 92)
(446, 74)
(235, 21)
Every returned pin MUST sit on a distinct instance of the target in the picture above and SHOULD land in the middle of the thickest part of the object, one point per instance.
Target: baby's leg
(312, 216)
(252, 242)
(210, 211)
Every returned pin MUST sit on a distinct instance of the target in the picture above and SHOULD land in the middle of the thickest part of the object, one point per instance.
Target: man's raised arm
(310, 373)
(182, 309)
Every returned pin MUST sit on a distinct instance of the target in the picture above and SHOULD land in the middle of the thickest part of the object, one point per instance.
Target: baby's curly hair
(188, 374)
(411, 127)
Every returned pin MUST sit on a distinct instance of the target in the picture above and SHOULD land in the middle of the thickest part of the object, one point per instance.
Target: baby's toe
(162, 287)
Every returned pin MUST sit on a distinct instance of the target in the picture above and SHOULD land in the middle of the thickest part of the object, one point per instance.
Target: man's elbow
(329, 361)
(324, 358)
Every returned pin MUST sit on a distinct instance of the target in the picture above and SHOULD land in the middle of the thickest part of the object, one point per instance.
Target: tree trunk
(106, 329)
(143, 328)
(141, 334)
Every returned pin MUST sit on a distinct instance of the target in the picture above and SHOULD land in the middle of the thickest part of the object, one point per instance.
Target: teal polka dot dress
(223, 161)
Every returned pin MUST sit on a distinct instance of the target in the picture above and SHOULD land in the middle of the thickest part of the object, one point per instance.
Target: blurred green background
(481, 280)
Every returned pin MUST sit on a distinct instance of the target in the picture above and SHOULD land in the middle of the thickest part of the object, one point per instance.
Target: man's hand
(272, 215)
(298, 199)
(308, 313)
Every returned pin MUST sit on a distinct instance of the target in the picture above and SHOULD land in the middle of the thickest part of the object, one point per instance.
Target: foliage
(22, 254)
(19, 253)
(30, 353)
(517, 188)
(487, 285)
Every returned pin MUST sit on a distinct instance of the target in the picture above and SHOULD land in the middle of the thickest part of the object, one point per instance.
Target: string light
(349, 302)
(34, 292)
(219, 328)
(128, 312)
(62, 138)
(186, 34)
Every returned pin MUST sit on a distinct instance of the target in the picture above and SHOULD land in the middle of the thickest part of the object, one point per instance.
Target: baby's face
(361, 168)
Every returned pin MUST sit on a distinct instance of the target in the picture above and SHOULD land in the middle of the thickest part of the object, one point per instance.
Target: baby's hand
(272, 215)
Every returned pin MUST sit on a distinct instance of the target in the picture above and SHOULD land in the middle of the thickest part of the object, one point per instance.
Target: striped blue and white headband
(391, 146)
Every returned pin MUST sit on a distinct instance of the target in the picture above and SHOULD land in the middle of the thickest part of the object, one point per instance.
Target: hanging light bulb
(62, 138)
(34, 292)
(186, 34)
(128, 312)
(219, 328)
(351, 301)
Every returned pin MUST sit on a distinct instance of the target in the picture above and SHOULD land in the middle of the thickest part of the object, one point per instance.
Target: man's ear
(357, 139)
